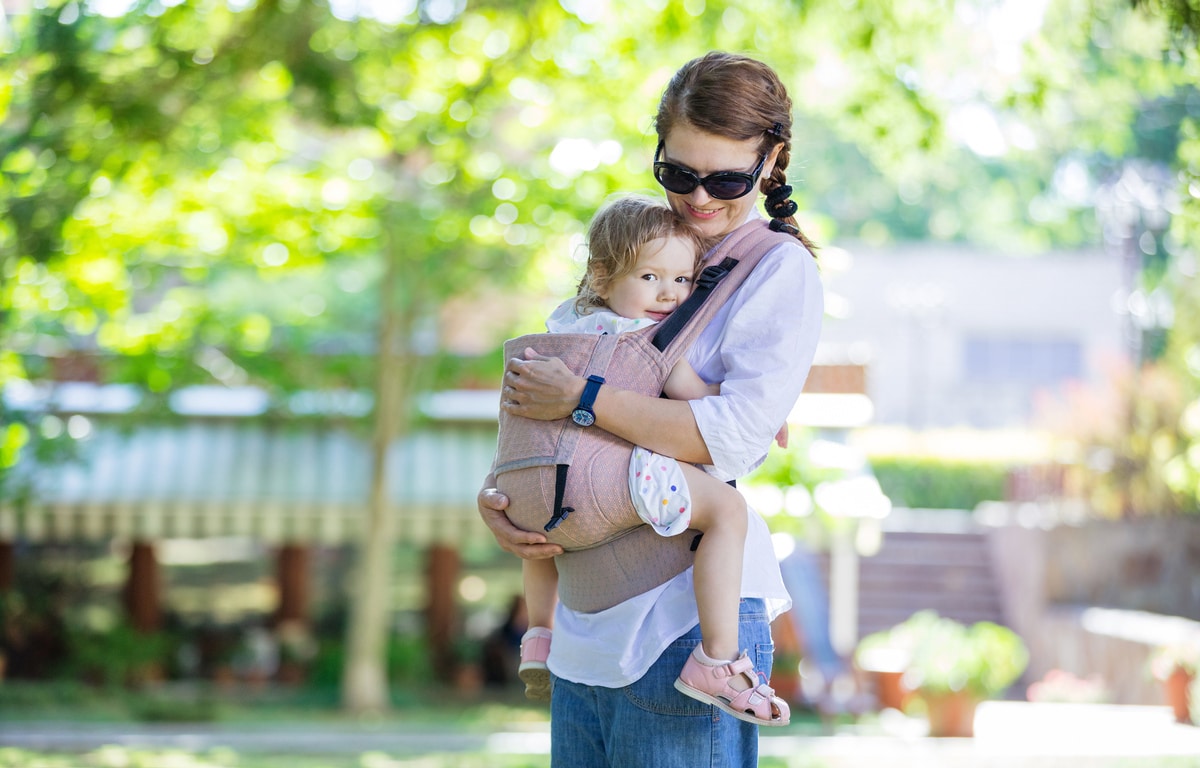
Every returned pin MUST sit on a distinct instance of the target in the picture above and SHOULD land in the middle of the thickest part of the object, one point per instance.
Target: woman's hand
(540, 387)
(524, 544)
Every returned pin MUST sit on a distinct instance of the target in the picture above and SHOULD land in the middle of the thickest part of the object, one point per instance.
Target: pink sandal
(535, 649)
(757, 704)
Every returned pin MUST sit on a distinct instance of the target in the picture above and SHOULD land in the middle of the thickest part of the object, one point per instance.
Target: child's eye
(650, 277)
(683, 280)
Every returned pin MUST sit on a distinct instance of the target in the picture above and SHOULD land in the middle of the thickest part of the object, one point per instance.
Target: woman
(724, 128)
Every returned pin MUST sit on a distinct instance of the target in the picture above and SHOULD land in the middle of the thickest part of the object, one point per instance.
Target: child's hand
(781, 437)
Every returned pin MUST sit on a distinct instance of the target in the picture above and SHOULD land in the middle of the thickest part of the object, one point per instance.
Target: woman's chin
(710, 225)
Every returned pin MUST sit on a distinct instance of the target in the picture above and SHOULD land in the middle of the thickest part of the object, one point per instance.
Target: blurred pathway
(1008, 735)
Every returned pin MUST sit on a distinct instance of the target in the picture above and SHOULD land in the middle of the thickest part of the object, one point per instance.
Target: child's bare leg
(541, 591)
(541, 595)
(718, 511)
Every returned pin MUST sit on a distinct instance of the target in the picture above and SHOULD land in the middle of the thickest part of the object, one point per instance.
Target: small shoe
(757, 704)
(535, 649)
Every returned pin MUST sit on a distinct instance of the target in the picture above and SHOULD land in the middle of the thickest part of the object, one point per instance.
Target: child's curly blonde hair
(617, 232)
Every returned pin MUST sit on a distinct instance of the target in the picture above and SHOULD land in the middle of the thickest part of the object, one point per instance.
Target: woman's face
(706, 153)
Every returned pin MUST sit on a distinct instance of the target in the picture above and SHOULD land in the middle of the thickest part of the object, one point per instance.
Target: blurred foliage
(204, 192)
(407, 660)
(199, 192)
(782, 489)
(119, 656)
(1140, 447)
(42, 439)
(939, 483)
(1148, 456)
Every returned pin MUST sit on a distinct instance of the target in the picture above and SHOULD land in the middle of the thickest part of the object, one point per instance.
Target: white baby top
(564, 319)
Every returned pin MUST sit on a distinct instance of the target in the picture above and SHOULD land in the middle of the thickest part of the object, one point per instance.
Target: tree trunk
(8, 568)
(364, 677)
(142, 589)
(441, 611)
(292, 577)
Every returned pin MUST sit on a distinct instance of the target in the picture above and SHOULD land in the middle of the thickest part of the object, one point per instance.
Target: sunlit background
(258, 258)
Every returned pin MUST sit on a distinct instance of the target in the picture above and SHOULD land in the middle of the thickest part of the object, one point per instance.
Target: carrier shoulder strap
(728, 266)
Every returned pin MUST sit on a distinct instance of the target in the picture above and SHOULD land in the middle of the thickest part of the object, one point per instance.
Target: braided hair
(739, 98)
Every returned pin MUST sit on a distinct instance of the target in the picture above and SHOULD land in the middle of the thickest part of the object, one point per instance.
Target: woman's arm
(684, 383)
(540, 387)
(767, 343)
(771, 328)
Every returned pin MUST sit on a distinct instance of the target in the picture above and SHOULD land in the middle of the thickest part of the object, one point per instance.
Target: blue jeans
(649, 722)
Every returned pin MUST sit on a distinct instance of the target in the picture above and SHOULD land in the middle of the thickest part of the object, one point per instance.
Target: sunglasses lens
(675, 179)
(727, 187)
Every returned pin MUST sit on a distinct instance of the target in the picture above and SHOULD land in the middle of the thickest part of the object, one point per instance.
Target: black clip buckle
(559, 516)
(711, 275)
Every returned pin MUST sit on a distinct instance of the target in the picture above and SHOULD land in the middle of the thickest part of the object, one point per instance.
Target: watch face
(582, 417)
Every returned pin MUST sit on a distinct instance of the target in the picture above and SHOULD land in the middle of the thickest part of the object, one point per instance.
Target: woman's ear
(769, 164)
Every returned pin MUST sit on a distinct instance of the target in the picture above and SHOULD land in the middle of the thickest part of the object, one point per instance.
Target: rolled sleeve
(760, 348)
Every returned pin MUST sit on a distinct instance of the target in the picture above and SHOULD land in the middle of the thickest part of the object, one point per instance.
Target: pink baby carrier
(571, 481)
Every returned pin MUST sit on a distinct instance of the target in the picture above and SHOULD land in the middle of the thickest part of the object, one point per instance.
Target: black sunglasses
(722, 185)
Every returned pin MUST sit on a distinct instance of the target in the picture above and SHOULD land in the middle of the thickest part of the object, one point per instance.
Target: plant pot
(786, 685)
(951, 714)
(1175, 688)
(890, 690)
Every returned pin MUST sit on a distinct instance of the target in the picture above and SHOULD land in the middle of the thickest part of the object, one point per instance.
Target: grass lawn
(248, 705)
(124, 757)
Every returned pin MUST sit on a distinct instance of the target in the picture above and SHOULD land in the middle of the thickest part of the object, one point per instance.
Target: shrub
(939, 483)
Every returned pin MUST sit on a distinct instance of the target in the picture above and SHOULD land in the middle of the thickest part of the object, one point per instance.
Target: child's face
(661, 280)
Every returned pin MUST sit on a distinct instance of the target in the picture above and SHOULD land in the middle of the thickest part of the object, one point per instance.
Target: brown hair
(738, 98)
(617, 232)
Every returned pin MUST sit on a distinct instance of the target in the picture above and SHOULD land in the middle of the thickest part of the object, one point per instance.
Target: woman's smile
(702, 213)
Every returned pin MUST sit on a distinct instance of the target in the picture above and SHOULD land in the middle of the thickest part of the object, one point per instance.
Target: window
(1032, 362)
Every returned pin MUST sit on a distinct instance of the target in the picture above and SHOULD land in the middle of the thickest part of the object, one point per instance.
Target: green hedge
(937, 483)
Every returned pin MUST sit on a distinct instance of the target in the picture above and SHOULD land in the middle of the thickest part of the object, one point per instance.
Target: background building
(954, 336)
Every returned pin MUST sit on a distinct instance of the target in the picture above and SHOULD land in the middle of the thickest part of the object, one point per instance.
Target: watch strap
(587, 400)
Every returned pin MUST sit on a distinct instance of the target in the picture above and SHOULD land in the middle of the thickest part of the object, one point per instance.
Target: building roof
(223, 477)
(215, 470)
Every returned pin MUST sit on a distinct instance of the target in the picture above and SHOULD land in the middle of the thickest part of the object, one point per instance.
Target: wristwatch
(583, 415)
